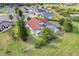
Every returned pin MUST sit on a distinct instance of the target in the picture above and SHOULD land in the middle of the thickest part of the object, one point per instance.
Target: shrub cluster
(68, 27)
(46, 35)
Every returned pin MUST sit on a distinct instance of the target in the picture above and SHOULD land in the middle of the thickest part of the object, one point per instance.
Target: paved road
(6, 18)
(11, 11)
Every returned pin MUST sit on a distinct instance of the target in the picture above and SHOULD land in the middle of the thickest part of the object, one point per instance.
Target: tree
(75, 18)
(10, 17)
(16, 10)
(68, 27)
(23, 34)
(65, 14)
(39, 42)
(47, 34)
(61, 21)
(22, 31)
(28, 18)
(20, 13)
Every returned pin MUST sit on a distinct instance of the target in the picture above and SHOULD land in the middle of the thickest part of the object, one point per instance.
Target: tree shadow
(53, 43)
(57, 40)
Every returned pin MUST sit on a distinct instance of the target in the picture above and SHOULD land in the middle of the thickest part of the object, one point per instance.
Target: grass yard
(68, 44)
(8, 46)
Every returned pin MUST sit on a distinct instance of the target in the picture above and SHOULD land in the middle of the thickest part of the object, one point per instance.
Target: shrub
(11, 17)
(8, 52)
(28, 18)
(75, 18)
(47, 34)
(39, 42)
(65, 14)
(68, 26)
(61, 21)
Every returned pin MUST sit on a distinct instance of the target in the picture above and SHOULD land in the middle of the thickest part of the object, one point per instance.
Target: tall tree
(23, 34)
(20, 13)
(16, 10)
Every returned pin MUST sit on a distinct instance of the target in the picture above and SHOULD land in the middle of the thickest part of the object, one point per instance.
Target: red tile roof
(34, 20)
(43, 20)
(34, 23)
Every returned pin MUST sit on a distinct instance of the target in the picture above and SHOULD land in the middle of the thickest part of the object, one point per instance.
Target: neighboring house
(52, 26)
(38, 11)
(35, 25)
(5, 25)
(46, 15)
(24, 9)
(41, 10)
(33, 10)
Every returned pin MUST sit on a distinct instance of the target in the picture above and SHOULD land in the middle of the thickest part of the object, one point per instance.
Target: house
(41, 10)
(38, 11)
(24, 9)
(5, 25)
(35, 25)
(46, 15)
(53, 27)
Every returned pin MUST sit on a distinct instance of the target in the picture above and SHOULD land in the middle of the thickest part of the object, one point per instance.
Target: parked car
(5, 25)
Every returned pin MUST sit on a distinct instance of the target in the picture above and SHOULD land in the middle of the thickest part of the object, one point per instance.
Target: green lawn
(68, 44)
(8, 46)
